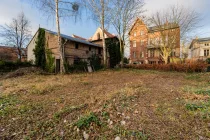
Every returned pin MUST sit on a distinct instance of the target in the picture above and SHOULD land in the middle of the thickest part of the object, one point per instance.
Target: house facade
(75, 49)
(144, 48)
(10, 54)
(200, 49)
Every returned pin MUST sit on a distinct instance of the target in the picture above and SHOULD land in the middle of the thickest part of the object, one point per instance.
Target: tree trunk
(20, 54)
(121, 50)
(62, 69)
(103, 36)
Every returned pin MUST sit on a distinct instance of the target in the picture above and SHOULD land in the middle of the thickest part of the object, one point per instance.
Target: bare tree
(59, 9)
(99, 9)
(168, 23)
(17, 33)
(124, 12)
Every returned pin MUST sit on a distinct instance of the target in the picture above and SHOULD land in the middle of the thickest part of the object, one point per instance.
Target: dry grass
(132, 104)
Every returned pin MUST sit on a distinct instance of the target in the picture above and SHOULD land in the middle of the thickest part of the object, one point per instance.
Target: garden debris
(23, 71)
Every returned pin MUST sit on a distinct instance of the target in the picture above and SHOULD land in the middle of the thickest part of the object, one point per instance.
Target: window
(99, 50)
(134, 43)
(134, 33)
(206, 52)
(152, 53)
(142, 42)
(141, 54)
(173, 53)
(76, 46)
(134, 54)
(207, 44)
(76, 60)
(142, 33)
(89, 48)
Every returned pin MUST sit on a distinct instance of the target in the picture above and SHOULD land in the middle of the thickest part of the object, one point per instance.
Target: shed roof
(73, 39)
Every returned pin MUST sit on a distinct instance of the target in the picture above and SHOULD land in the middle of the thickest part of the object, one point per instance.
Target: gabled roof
(138, 19)
(199, 40)
(73, 39)
(156, 28)
(108, 34)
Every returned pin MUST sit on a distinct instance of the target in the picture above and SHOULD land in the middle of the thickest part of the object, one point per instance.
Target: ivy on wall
(113, 46)
(39, 51)
(43, 56)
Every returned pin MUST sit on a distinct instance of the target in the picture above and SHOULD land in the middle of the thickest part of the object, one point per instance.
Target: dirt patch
(23, 71)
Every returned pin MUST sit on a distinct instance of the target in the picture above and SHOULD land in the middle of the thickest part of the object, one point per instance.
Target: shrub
(191, 67)
(6, 66)
(95, 61)
(85, 121)
(79, 67)
(125, 60)
(208, 62)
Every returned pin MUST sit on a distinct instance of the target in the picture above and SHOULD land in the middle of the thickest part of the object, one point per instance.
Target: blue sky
(86, 28)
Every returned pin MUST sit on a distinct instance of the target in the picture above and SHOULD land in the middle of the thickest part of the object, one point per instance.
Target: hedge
(11, 66)
(191, 67)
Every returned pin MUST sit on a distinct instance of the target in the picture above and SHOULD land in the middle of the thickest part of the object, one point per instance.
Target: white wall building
(200, 49)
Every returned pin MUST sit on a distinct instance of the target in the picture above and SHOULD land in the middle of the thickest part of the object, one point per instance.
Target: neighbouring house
(199, 49)
(143, 39)
(97, 37)
(75, 49)
(10, 54)
(110, 39)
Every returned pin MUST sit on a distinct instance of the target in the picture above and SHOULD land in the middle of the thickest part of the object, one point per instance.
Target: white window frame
(142, 33)
(134, 44)
(206, 52)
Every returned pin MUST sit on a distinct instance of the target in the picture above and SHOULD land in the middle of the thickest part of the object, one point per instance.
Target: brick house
(11, 54)
(97, 39)
(199, 49)
(143, 40)
(75, 48)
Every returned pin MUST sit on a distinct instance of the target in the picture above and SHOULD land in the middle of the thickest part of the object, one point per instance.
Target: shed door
(57, 65)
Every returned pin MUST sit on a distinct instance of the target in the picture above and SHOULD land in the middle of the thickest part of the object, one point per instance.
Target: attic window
(76, 46)
(134, 33)
(98, 36)
(142, 32)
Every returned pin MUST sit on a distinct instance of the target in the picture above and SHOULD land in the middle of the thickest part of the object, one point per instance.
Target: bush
(125, 60)
(192, 67)
(79, 67)
(6, 66)
(208, 61)
(95, 61)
